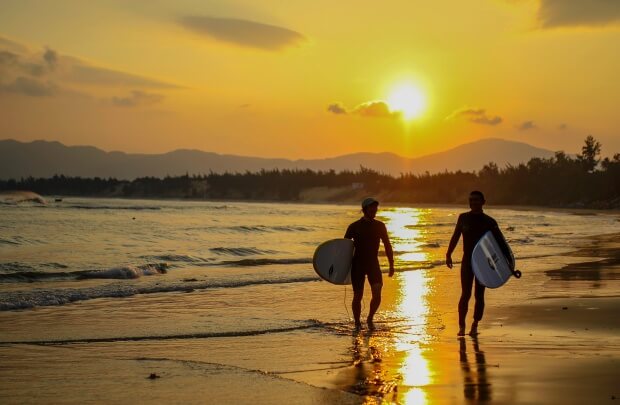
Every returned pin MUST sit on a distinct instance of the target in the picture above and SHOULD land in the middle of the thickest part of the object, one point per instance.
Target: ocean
(237, 276)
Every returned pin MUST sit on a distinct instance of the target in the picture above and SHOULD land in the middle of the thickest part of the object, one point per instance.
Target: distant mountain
(44, 159)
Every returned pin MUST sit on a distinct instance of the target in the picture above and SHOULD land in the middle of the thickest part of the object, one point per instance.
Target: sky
(310, 79)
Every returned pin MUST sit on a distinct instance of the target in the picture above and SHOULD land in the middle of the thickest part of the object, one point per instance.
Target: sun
(408, 100)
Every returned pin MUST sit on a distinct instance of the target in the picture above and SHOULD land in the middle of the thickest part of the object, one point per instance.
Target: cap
(369, 201)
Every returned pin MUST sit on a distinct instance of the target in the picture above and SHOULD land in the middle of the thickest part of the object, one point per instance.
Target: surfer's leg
(357, 279)
(356, 306)
(467, 279)
(375, 301)
(478, 307)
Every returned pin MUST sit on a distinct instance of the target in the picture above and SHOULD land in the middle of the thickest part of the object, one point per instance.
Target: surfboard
(491, 266)
(332, 261)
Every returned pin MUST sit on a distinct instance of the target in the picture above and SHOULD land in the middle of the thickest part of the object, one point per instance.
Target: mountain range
(45, 159)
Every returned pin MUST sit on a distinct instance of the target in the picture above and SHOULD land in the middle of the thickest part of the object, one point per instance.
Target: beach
(238, 315)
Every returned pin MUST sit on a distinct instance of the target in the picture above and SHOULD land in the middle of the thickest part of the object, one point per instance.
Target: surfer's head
(369, 207)
(476, 200)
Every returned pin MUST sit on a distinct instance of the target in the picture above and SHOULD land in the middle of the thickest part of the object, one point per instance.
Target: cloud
(562, 127)
(137, 98)
(336, 108)
(29, 87)
(526, 126)
(243, 32)
(46, 72)
(565, 13)
(373, 109)
(51, 57)
(97, 75)
(476, 115)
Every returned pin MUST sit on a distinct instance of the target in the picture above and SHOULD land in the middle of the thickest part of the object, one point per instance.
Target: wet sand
(551, 337)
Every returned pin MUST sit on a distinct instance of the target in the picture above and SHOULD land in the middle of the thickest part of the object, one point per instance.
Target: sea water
(220, 298)
(79, 249)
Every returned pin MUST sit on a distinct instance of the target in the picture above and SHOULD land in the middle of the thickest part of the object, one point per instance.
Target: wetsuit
(366, 234)
(472, 226)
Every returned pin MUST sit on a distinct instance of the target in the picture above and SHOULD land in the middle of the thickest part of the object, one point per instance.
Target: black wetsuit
(472, 226)
(366, 234)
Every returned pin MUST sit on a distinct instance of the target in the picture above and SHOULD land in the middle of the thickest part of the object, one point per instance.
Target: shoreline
(576, 211)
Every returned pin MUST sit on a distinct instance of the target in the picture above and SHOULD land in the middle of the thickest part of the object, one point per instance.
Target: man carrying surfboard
(366, 233)
(472, 225)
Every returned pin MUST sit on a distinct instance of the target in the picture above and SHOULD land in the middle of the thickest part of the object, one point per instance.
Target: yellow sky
(257, 78)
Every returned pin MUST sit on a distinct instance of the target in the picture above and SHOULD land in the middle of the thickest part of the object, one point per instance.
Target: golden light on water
(412, 305)
(407, 239)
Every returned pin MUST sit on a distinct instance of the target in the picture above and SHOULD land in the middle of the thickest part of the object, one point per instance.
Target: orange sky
(309, 79)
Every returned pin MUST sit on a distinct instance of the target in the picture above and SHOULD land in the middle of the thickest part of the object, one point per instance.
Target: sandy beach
(551, 337)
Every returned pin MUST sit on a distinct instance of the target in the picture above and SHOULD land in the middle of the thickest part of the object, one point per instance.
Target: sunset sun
(408, 100)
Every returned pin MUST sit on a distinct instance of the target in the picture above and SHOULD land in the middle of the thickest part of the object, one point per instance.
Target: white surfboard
(332, 260)
(491, 267)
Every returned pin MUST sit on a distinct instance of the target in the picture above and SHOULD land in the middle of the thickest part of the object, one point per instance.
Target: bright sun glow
(408, 100)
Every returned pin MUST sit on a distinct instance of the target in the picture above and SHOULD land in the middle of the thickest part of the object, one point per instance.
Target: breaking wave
(22, 273)
(14, 300)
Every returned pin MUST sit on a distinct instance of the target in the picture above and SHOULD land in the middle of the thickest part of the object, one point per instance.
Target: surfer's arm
(389, 252)
(458, 229)
(349, 233)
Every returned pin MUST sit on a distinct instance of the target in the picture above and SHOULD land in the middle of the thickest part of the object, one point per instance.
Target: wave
(310, 324)
(13, 267)
(27, 273)
(17, 197)
(240, 251)
(112, 207)
(263, 262)
(195, 260)
(14, 300)
(20, 240)
(265, 229)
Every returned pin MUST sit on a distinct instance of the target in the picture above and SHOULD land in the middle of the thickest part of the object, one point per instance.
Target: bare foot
(358, 325)
(473, 331)
(461, 331)
(371, 325)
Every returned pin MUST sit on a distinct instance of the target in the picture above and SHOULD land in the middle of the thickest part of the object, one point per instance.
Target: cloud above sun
(243, 32)
(371, 109)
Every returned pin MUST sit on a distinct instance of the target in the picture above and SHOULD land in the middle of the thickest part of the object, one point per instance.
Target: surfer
(366, 233)
(472, 225)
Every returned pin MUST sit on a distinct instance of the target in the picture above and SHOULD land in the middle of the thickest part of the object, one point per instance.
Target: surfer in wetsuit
(472, 225)
(366, 234)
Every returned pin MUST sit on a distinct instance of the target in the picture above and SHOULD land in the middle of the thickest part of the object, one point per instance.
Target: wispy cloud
(374, 109)
(243, 32)
(46, 72)
(136, 98)
(564, 13)
(29, 87)
(476, 115)
(526, 126)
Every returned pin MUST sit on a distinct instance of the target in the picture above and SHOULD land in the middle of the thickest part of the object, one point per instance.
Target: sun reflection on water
(412, 306)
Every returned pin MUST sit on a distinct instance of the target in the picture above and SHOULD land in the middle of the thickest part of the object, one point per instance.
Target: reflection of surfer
(472, 225)
(366, 233)
(475, 385)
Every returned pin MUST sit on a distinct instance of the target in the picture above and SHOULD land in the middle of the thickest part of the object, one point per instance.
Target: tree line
(562, 181)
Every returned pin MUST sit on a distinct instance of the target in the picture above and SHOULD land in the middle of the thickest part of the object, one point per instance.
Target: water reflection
(409, 240)
(475, 382)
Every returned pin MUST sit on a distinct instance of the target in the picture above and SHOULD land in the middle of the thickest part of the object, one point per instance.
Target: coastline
(355, 202)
